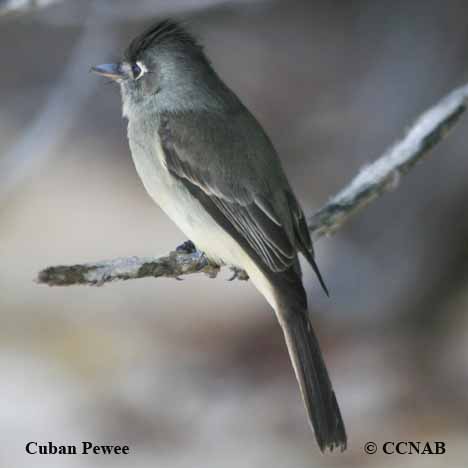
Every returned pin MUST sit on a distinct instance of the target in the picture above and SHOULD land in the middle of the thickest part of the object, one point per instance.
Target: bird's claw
(186, 247)
(238, 273)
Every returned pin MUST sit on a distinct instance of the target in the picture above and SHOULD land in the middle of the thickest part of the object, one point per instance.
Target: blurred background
(195, 373)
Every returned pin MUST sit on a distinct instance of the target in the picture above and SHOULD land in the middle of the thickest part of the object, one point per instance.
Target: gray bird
(210, 166)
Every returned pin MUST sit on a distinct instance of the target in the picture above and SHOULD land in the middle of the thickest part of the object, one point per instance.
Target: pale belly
(191, 218)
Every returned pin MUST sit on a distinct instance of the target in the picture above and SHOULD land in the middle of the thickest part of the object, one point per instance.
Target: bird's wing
(224, 163)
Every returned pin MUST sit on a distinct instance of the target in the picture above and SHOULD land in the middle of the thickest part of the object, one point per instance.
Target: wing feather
(231, 166)
(251, 213)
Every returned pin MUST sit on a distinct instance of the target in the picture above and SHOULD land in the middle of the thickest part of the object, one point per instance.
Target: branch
(21, 6)
(385, 173)
(382, 175)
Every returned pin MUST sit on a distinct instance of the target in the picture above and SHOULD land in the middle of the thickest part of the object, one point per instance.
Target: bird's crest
(163, 33)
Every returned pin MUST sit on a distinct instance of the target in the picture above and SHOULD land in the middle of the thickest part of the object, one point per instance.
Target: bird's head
(164, 68)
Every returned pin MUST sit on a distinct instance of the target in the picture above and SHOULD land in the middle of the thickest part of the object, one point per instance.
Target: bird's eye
(137, 71)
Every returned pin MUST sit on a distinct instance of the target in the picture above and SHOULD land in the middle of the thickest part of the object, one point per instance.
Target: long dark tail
(314, 382)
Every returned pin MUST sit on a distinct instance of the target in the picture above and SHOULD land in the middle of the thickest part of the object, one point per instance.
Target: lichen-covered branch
(382, 175)
(174, 265)
(385, 173)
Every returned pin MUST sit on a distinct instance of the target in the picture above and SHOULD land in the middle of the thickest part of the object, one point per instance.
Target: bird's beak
(109, 70)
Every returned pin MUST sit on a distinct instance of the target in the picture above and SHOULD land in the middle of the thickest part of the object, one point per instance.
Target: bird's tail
(314, 382)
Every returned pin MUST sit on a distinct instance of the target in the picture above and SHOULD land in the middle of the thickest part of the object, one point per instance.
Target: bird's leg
(195, 259)
(187, 247)
(211, 269)
(238, 273)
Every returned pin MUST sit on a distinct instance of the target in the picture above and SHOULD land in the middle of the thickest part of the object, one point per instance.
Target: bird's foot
(238, 273)
(186, 247)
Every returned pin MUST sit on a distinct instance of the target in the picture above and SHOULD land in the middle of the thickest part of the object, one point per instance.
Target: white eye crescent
(138, 70)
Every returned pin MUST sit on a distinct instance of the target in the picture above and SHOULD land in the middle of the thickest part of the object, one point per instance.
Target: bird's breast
(180, 205)
(188, 213)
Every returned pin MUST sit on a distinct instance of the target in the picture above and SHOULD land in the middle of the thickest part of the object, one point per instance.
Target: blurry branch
(42, 138)
(114, 10)
(382, 175)
(21, 6)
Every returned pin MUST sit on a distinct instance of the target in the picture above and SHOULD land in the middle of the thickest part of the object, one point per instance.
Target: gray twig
(382, 175)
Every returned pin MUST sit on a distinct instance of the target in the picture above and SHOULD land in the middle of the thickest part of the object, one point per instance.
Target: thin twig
(382, 175)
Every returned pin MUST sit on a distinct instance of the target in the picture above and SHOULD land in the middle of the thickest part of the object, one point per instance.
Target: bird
(210, 166)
